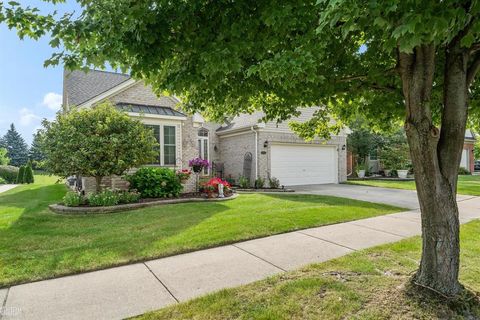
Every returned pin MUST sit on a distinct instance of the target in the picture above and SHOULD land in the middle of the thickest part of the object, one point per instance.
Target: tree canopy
(227, 57)
(96, 142)
(4, 160)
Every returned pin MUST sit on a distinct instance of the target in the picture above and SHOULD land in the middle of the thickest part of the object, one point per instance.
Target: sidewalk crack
(233, 245)
(391, 233)
(158, 279)
(4, 304)
(318, 238)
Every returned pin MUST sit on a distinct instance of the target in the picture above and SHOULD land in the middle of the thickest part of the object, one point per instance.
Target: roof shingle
(80, 86)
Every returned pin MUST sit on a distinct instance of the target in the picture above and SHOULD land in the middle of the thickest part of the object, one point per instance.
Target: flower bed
(144, 203)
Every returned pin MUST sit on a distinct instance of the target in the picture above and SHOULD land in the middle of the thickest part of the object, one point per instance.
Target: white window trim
(162, 144)
(203, 138)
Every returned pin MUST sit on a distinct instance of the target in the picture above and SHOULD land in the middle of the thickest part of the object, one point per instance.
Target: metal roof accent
(148, 109)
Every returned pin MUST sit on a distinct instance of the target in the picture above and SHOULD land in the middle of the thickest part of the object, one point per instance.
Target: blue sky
(28, 91)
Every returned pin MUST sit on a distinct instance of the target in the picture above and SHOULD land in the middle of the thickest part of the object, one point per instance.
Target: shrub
(244, 182)
(128, 196)
(104, 198)
(274, 183)
(259, 183)
(230, 180)
(72, 199)
(2, 181)
(21, 175)
(9, 173)
(463, 171)
(155, 182)
(28, 175)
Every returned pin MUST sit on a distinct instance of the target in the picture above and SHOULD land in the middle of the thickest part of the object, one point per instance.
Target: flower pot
(197, 169)
(387, 172)
(361, 173)
(402, 174)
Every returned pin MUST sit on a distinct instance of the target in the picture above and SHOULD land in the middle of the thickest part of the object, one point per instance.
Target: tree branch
(473, 69)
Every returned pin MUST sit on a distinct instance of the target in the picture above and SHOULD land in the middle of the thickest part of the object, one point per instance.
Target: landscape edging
(61, 209)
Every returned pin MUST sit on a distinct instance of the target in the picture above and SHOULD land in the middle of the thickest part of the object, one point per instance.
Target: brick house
(468, 159)
(242, 147)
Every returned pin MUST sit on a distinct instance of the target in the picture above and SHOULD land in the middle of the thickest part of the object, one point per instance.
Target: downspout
(252, 128)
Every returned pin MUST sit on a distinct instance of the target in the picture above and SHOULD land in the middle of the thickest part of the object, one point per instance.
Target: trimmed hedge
(9, 173)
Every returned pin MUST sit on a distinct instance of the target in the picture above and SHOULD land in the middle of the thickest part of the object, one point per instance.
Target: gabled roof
(470, 135)
(244, 120)
(80, 86)
(147, 109)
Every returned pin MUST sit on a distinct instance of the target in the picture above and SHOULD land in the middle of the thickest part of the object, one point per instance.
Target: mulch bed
(143, 203)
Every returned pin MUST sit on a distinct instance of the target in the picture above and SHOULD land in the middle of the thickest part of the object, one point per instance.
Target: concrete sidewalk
(135, 289)
(6, 187)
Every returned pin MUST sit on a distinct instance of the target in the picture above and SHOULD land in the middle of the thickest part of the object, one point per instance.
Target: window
(167, 147)
(156, 134)
(203, 146)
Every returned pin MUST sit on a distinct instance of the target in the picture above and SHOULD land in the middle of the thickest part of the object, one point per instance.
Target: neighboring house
(243, 147)
(467, 162)
(468, 159)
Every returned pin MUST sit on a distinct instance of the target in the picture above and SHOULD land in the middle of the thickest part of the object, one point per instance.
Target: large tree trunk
(436, 157)
(98, 183)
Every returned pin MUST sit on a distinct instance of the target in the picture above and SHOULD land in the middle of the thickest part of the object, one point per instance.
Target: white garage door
(304, 164)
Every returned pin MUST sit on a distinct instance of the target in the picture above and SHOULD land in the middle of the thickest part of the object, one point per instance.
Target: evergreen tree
(21, 175)
(17, 149)
(28, 175)
(35, 153)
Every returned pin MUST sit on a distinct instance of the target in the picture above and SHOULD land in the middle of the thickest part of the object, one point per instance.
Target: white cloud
(27, 117)
(52, 101)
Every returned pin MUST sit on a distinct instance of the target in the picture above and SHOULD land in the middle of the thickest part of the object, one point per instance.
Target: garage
(304, 164)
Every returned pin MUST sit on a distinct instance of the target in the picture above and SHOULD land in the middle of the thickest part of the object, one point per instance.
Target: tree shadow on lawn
(38, 243)
(333, 201)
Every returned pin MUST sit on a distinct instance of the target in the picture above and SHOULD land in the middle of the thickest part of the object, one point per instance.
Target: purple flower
(199, 162)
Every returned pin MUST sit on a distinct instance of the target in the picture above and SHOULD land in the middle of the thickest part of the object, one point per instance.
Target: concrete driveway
(395, 197)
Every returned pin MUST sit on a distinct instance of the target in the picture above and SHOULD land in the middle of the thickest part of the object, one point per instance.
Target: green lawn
(468, 185)
(36, 243)
(367, 284)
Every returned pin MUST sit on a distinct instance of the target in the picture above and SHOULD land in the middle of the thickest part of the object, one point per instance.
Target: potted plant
(183, 175)
(198, 164)
(361, 169)
(403, 162)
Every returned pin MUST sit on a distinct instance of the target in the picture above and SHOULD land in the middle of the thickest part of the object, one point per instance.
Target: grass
(467, 185)
(368, 284)
(37, 244)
